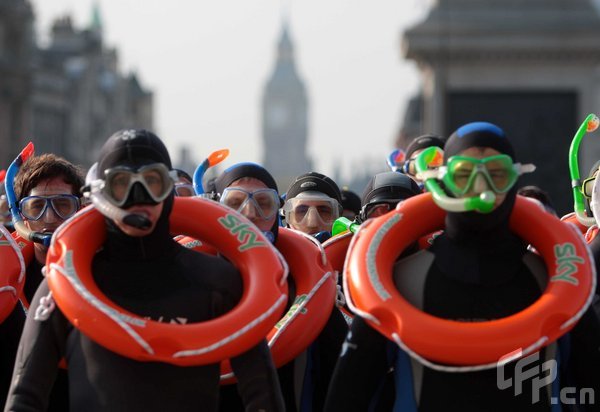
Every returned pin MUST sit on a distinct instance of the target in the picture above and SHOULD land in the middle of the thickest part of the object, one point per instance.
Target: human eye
(301, 210)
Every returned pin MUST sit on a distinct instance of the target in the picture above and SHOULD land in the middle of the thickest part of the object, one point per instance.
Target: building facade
(531, 66)
(66, 97)
(80, 97)
(16, 77)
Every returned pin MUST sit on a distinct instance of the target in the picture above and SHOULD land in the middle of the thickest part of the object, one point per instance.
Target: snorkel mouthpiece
(137, 221)
(589, 125)
(484, 203)
(13, 207)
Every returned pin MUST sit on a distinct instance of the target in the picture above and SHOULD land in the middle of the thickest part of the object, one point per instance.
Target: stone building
(285, 118)
(66, 97)
(531, 66)
(16, 73)
(80, 97)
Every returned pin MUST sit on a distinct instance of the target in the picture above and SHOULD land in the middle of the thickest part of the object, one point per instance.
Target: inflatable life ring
(479, 345)
(195, 244)
(315, 282)
(262, 269)
(12, 273)
(572, 218)
(591, 233)
(26, 248)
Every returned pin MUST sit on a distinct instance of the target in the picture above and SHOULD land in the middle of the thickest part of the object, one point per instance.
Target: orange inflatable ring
(26, 248)
(315, 299)
(572, 218)
(263, 271)
(195, 244)
(475, 345)
(336, 249)
(591, 233)
(12, 273)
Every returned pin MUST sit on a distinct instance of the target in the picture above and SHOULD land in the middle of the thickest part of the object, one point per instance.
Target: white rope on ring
(45, 308)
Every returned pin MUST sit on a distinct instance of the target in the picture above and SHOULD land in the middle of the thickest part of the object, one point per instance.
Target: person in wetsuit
(476, 270)
(47, 188)
(143, 270)
(251, 190)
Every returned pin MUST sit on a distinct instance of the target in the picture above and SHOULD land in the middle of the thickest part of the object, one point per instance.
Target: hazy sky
(208, 61)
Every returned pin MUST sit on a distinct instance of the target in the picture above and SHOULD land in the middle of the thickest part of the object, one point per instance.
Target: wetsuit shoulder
(42, 345)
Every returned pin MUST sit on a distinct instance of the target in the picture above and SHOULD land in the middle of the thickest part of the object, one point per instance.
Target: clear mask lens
(155, 178)
(587, 188)
(184, 190)
(34, 207)
(264, 201)
(498, 171)
(298, 210)
(378, 209)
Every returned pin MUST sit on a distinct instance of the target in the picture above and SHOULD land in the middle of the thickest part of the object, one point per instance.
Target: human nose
(480, 184)
(312, 217)
(50, 215)
(249, 210)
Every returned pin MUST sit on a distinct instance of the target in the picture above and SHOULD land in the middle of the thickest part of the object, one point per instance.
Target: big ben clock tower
(285, 118)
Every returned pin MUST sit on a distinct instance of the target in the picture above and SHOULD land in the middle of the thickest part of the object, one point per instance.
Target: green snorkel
(484, 203)
(590, 124)
(342, 224)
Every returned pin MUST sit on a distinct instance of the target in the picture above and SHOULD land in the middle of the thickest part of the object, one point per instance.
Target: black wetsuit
(155, 278)
(10, 335)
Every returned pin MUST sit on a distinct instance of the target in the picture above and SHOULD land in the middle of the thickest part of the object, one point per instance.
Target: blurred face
(249, 209)
(311, 215)
(480, 183)
(151, 212)
(380, 208)
(50, 220)
(183, 187)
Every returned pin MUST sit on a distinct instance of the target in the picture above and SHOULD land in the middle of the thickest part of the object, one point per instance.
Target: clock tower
(285, 118)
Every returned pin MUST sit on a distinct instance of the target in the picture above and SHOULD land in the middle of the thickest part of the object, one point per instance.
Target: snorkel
(484, 203)
(395, 160)
(212, 160)
(342, 224)
(590, 124)
(13, 207)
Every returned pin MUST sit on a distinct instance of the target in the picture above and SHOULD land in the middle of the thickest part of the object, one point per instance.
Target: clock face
(277, 116)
